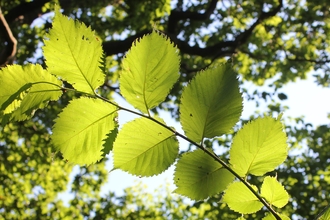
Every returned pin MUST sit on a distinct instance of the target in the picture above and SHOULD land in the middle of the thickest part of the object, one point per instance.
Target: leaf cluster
(211, 105)
(282, 48)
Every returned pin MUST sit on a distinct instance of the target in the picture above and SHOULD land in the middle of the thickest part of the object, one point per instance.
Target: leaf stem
(215, 157)
(200, 146)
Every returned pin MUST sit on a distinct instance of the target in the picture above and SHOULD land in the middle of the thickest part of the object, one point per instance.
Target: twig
(7, 55)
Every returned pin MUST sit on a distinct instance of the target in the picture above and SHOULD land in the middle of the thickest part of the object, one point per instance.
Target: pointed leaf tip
(211, 104)
(81, 128)
(109, 141)
(150, 69)
(74, 53)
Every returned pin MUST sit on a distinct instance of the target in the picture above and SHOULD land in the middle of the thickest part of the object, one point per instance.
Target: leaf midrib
(88, 126)
(72, 54)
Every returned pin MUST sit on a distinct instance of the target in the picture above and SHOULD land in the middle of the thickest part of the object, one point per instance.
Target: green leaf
(259, 147)
(109, 141)
(274, 192)
(74, 53)
(211, 104)
(14, 101)
(144, 148)
(198, 176)
(150, 69)
(240, 199)
(23, 89)
(81, 129)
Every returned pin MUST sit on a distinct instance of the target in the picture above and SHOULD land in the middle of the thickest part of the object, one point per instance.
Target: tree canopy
(268, 43)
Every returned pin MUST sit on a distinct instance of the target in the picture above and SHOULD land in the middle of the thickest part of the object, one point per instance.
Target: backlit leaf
(259, 147)
(24, 89)
(81, 129)
(198, 176)
(274, 192)
(240, 199)
(109, 141)
(211, 104)
(74, 53)
(144, 148)
(150, 69)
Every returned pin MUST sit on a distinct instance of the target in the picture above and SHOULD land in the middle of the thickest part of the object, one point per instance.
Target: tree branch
(252, 55)
(24, 8)
(223, 48)
(308, 60)
(121, 46)
(176, 16)
(30, 10)
(8, 53)
(244, 36)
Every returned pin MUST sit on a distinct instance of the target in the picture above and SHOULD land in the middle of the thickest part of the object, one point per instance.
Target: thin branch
(252, 55)
(224, 48)
(227, 167)
(200, 146)
(111, 88)
(31, 10)
(188, 70)
(25, 8)
(308, 60)
(244, 36)
(221, 49)
(300, 59)
(8, 53)
(322, 212)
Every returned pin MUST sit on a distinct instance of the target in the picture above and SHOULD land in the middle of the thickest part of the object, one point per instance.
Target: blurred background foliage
(269, 42)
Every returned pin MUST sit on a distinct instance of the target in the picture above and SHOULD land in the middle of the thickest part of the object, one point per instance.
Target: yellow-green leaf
(23, 89)
(259, 147)
(240, 199)
(150, 69)
(274, 192)
(74, 53)
(144, 148)
(211, 104)
(81, 129)
(198, 176)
